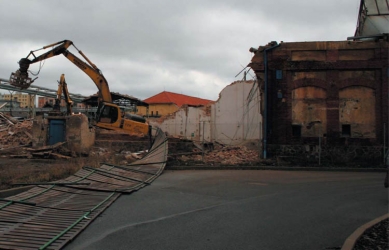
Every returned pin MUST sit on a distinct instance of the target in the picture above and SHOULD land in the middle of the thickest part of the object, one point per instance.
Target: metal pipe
(320, 133)
(203, 142)
(265, 100)
(367, 37)
(383, 150)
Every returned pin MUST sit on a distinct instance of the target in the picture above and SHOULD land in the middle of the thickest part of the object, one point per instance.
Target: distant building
(8, 104)
(25, 100)
(46, 101)
(233, 119)
(166, 103)
(49, 101)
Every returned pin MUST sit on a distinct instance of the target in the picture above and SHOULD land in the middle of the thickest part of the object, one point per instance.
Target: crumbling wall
(234, 118)
(188, 123)
(330, 93)
(236, 115)
(309, 111)
(357, 110)
(78, 135)
(39, 132)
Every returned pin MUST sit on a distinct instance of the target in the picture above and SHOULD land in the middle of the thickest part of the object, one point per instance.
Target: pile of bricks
(14, 133)
(226, 156)
(232, 156)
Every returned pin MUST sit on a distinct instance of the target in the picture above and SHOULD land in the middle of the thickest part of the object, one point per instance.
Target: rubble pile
(16, 141)
(222, 156)
(14, 133)
(232, 156)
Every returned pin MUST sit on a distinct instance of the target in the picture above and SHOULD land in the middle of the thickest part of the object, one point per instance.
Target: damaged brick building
(324, 99)
(328, 101)
(233, 119)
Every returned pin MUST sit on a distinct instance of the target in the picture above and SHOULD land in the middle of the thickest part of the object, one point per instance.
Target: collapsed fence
(49, 215)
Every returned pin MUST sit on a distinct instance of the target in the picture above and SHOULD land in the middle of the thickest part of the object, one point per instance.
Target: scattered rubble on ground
(216, 154)
(14, 134)
(16, 141)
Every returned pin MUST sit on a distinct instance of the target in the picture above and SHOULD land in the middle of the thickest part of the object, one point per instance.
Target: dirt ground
(20, 164)
(14, 171)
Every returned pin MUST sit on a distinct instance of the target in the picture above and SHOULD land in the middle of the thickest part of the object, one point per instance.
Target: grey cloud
(132, 42)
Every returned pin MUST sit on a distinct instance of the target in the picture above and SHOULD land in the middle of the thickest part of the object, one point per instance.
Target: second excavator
(109, 115)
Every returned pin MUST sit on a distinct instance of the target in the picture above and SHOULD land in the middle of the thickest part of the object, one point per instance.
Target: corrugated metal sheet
(373, 18)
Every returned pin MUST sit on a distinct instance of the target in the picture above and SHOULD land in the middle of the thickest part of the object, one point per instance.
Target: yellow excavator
(62, 88)
(108, 115)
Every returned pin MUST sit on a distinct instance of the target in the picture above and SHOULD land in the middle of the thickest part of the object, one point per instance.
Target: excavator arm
(63, 88)
(109, 115)
(22, 80)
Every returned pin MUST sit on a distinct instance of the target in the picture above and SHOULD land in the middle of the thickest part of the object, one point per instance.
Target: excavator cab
(110, 116)
(107, 114)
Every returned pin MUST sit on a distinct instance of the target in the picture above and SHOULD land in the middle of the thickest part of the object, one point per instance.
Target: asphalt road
(240, 209)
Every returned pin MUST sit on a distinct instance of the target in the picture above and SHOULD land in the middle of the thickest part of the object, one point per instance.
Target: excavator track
(49, 215)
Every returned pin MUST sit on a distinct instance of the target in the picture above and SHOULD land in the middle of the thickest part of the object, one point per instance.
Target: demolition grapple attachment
(20, 78)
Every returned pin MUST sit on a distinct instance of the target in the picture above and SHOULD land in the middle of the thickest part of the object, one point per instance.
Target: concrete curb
(353, 238)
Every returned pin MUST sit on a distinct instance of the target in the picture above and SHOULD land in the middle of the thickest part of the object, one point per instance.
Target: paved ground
(240, 209)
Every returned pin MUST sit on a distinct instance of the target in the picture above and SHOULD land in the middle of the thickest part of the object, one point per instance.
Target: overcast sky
(145, 47)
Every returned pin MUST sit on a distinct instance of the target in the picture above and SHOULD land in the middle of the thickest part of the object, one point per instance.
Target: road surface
(240, 209)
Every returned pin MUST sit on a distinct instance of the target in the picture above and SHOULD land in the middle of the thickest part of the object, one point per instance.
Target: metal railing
(40, 91)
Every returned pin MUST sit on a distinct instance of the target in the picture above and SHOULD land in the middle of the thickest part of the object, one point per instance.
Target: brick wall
(335, 68)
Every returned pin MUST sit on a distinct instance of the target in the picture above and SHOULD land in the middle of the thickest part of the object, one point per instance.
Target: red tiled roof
(178, 99)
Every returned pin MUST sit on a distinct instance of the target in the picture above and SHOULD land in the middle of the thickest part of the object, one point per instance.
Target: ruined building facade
(234, 119)
(329, 98)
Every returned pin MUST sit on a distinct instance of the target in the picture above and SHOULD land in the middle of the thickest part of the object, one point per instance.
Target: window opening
(346, 130)
(296, 130)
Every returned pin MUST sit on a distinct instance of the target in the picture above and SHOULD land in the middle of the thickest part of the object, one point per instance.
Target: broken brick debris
(14, 134)
(215, 155)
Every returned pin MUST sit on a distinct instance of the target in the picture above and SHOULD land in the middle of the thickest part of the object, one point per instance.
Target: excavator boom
(63, 88)
(22, 80)
(109, 115)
